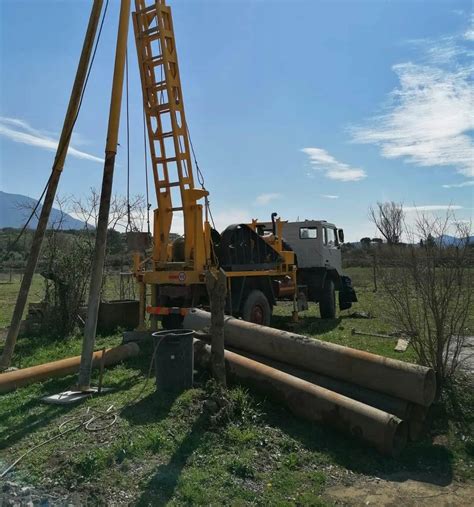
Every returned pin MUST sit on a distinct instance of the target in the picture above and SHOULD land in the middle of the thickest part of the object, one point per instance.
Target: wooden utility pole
(105, 197)
(61, 152)
(216, 284)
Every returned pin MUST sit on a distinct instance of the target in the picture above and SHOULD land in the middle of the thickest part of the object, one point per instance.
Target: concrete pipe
(395, 378)
(13, 379)
(387, 433)
(413, 414)
(396, 406)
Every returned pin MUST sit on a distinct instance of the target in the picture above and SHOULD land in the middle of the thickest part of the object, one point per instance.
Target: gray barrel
(174, 360)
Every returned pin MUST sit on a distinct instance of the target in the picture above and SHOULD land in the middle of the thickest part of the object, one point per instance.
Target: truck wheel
(172, 321)
(257, 309)
(327, 303)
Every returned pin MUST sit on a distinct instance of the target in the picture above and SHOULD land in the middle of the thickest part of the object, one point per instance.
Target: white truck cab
(317, 243)
(317, 246)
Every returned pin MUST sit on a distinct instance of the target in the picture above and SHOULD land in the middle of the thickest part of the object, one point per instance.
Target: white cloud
(177, 225)
(469, 33)
(20, 131)
(430, 115)
(222, 219)
(263, 199)
(231, 216)
(329, 196)
(78, 139)
(468, 183)
(432, 207)
(321, 160)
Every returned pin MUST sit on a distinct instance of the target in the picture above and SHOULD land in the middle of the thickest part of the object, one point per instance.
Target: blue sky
(314, 109)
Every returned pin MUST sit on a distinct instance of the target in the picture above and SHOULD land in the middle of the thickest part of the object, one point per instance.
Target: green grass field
(167, 451)
(9, 291)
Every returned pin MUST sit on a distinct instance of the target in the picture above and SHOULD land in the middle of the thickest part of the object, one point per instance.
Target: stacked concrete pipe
(386, 432)
(401, 391)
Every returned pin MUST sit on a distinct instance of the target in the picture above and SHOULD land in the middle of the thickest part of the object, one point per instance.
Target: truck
(260, 264)
(266, 263)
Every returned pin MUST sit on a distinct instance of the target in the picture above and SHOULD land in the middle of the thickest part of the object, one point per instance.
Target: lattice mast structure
(170, 145)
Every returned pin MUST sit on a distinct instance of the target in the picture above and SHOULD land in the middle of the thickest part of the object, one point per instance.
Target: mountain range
(16, 208)
(447, 240)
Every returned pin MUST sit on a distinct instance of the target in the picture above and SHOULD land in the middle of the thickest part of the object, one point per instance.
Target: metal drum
(174, 360)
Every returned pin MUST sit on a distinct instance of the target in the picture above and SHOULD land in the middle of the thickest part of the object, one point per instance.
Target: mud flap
(347, 294)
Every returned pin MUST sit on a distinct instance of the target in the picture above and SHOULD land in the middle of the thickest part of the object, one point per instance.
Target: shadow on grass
(36, 418)
(162, 485)
(150, 409)
(156, 407)
(421, 460)
(36, 414)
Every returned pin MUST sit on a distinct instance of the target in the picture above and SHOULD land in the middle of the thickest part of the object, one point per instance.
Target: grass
(165, 450)
(9, 291)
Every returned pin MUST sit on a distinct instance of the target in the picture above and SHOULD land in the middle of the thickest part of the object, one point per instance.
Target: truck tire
(257, 309)
(172, 321)
(327, 303)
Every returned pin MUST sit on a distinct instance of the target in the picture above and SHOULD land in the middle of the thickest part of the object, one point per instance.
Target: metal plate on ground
(402, 344)
(68, 397)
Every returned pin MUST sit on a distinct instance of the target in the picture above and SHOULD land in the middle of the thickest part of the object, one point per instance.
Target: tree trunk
(216, 288)
(375, 271)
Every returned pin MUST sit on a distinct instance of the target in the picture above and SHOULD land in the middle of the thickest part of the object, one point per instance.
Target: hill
(447, 240)
(16, 208)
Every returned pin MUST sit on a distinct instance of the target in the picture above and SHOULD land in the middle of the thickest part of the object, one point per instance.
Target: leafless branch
(388, 218)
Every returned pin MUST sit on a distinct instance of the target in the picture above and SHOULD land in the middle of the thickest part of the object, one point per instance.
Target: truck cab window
(308, 232)
(330, 237)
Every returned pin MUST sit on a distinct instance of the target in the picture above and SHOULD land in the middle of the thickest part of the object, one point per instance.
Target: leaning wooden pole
(61, 152)
(105, 197)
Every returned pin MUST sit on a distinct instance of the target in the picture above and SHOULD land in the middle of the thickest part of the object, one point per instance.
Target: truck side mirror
(340, 235)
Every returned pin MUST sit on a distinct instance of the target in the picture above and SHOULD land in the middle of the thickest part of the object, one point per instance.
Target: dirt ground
(391, 491)
(398, 490)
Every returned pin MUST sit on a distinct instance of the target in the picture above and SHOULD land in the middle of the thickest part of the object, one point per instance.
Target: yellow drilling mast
(169, 143)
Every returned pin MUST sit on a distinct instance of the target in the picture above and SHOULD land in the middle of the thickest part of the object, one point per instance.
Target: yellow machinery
(257, 267)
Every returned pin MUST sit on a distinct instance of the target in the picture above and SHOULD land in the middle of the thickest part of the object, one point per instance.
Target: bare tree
(138, 212)
(87, 210)
(66, 258)
(34, 209)
(429, 291)
(388, 218)
(65, 265)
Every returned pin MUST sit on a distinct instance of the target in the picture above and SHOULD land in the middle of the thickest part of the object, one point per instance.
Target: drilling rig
(260, 267)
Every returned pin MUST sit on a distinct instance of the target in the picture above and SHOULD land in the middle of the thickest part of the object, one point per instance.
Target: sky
(313, 109)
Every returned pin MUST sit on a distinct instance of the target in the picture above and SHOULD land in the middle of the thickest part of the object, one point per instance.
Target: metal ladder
(164, 112)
